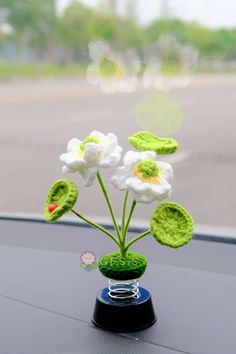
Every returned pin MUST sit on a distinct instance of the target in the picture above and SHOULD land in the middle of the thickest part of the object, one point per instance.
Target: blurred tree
(76, 28)
(232, 47)
(173, 27)
(37, 29)
(221, 42)
(131, 35)
(32, 21)
(200, 37)
(105, 26)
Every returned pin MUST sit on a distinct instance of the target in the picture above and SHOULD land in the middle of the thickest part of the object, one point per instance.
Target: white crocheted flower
(145, 177)
(97, 150)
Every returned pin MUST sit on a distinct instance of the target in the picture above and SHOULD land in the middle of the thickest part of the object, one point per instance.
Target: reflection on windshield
(70, 67)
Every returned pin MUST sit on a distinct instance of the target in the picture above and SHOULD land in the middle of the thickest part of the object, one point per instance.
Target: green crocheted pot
(61, 198)
(114, 266)
(172, 225)
(145, 141)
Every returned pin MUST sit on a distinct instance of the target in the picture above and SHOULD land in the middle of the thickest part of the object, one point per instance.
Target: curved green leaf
(61, 198)
(145, 141)
(172, 225)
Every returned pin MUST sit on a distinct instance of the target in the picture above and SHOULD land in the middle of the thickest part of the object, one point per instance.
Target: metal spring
(123, 289)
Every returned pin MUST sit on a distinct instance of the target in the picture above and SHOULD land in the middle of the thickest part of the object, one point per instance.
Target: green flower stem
(96, 226)
(124, 213)
(129, 218)
(137, 238)
(109, 206)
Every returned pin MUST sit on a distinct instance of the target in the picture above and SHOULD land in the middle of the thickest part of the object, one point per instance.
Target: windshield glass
(68, 68)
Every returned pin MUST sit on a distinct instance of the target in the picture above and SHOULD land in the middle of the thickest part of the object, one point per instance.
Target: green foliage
(105, 26)
(172, 225)
(30, 17)
(35, 71)
(199, 37)
(231, 52)
(63, 195)
(36, 25)
(131, 35)
(210, 43)
(173, 27)
(116, 267)
(76, 26)
(145, 141)
(222, 41)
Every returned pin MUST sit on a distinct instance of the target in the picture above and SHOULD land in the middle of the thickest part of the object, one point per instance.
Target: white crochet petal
(71, 161)
(111, 141)
(88, 175)
(119, 178)
(150, 155)
(92, 154)
(142, 192)
(112, 158)
(65, 169)
(96, 134)
(135, 184)
(147, 192)
(166, 170)
(145, 197)
(131, 158)
(73, 145)
(161, 190)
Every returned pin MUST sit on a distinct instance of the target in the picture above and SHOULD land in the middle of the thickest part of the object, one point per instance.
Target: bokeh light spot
(160, 114)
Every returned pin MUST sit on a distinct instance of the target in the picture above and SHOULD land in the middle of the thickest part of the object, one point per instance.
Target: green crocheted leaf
(145, 141)
(61, 198)
(172, 225)
(116, 267)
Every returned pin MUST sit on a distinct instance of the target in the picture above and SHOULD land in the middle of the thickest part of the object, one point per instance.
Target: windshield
(68, 68)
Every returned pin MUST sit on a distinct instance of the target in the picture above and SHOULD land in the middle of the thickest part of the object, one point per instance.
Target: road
(39, 117)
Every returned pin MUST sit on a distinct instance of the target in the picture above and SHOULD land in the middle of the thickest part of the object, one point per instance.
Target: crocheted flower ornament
(85, 157)
(142, 177)
(146, 178)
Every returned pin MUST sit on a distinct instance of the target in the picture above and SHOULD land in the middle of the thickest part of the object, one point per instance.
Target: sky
(213, 13)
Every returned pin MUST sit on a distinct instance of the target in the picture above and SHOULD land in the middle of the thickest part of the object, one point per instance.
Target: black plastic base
(124, 316)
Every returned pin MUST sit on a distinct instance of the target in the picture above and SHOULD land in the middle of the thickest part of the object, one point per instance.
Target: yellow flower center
(147, 171)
